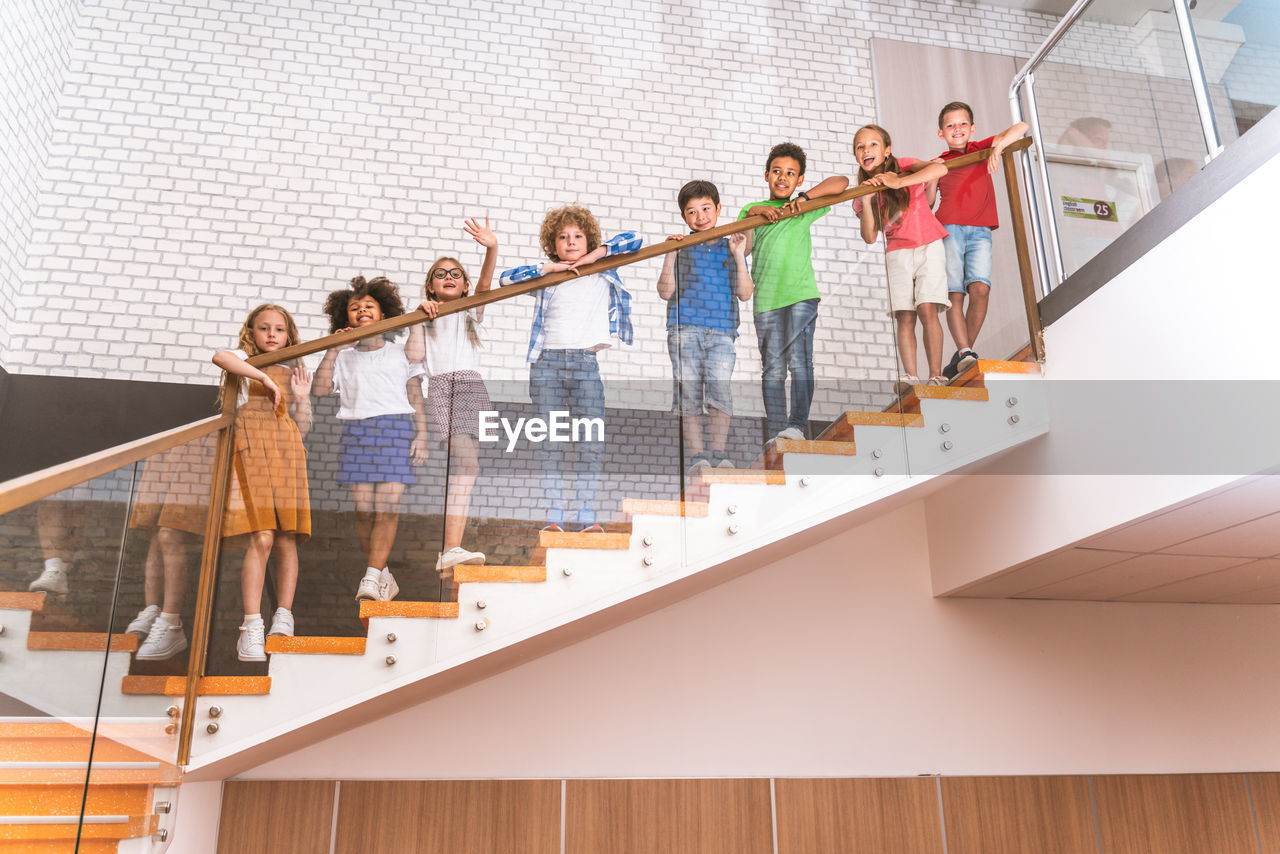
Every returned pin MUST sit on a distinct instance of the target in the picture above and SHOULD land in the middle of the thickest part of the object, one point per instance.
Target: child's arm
(867, 217)
(919, 172)
(825, 187)
(769, 212)
(521, 274)
(420, 446)
(931, 189)
(667, 278)
(1006, 136)
(486, 238)
(620, 244)
(738, 246)
(300, 384)
(415, 347)
(231, 362)
(323, 382)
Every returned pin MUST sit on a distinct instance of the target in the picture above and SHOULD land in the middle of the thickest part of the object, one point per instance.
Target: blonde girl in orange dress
(268, 500)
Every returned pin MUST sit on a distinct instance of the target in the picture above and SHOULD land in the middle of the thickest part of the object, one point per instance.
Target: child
(913, 258)
(456, 393)
(702, 322)
(268, 499)
(384, 423)
(786, 290)
(572, 322)
(968, 212)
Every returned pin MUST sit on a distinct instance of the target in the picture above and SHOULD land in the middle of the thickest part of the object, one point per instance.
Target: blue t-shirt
(706, 285)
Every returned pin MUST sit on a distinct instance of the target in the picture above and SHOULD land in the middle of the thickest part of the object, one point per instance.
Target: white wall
(36, 39)
(214, 155)
(838, 662)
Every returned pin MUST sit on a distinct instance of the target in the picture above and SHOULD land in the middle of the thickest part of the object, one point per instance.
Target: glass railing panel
(1239, 45)
(1119, 122)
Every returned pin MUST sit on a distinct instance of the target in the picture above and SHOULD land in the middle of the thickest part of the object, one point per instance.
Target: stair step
(778, 448)
(974, 375)
(87, 641)
(752, 475)
(663, 507)
(86, 846)
(74, 749)
(65, 800)
(444, 610)
(464, 573)
(567, 540)
(910, 402)
(17, 827)
(22, 601)
(176, 686)
(132, 728)
(842, 429)
(315, 645)
(153, 772)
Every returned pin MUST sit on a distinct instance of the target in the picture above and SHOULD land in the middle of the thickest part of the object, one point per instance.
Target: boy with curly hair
(572, 322)
(384, 420)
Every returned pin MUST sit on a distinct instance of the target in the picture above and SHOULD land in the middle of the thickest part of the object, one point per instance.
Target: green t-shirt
(781, 259)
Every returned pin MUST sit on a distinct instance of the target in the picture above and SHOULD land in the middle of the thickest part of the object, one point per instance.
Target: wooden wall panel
(1013, 815)
(1265, 789)
(438, 816)
(1175, 814)
(889, 816)
(271, 816)
(668, 817)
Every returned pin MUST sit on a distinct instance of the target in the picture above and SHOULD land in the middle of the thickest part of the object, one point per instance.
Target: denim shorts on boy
(376, 450)
(455, 401)
(917, 276)
(701, 363)
(968, 251)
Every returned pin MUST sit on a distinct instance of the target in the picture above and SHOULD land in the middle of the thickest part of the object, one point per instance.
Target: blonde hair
(473, 334)
(555, 221)
(246, 341)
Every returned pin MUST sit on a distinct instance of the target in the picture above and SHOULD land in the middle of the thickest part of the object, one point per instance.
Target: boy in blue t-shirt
(706, 282)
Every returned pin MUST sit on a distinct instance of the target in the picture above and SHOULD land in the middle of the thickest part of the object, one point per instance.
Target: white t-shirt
(372, 382)
(449, 347)
(577, 315)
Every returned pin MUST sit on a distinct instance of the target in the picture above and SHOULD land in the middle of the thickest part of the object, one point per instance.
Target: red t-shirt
(968, 196)
(917, 226)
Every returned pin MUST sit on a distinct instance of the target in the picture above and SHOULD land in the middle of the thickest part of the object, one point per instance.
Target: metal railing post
(1199, 83)
(1058, 273)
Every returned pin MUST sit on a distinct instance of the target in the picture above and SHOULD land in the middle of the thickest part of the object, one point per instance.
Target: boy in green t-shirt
(786, 297)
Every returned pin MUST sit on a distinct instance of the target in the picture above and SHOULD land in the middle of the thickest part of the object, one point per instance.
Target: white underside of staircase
(307, 688)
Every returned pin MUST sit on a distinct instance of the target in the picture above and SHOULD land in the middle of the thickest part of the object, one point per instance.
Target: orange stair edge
(133, 827)
(664, 507)
(22, 601)
(176, 686)
(471, 573)
(162, 775)
(407, 609)
(765, 476)
(83, 641)
(568, 540)
(315, 645)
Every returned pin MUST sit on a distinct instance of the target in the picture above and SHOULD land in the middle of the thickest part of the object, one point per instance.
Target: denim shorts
(968, 249)
(701, 364)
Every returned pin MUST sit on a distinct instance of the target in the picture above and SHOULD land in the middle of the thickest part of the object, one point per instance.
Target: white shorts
(917, 276)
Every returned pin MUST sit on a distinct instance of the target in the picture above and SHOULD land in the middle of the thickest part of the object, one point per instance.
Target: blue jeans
(569, 380)
(786, 344)
(968, 249)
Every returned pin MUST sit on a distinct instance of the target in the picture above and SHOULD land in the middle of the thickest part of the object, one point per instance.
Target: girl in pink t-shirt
(914, 260)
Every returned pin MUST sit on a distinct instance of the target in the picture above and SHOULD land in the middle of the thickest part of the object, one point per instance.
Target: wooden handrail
(21, 491)
(653, 250)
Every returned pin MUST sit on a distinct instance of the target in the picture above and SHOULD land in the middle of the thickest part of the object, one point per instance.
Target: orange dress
(173, 491)
(269, 466)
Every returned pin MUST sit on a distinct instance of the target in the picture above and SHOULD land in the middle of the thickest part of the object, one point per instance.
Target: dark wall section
(49, 420)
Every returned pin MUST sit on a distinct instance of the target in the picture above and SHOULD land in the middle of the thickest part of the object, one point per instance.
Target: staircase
(500, 614)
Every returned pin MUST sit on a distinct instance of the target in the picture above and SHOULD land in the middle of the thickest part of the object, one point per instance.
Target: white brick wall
(36, 37)
(214, 155)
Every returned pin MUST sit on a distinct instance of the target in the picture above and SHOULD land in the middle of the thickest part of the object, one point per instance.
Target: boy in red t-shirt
(968, 210)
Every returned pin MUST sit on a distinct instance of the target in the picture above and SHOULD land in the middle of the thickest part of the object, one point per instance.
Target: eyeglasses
(455, 273)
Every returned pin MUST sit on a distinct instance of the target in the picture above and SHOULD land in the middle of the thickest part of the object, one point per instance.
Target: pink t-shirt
(917, 226)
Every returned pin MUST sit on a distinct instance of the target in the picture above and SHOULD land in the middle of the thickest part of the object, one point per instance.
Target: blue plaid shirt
(619, 297)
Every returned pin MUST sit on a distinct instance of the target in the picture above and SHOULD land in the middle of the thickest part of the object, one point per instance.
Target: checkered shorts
(454, 401)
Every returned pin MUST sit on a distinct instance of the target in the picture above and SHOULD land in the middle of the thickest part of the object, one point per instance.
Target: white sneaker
(252, 643)
(456, 555)
(790, 433)
(163, 641)
(141, 625)
(368, 589)
(53, 581)
(282, 623)
(387, 587)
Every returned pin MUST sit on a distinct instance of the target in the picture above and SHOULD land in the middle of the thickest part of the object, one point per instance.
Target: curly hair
(785, 149)
(557, 219)
(383, 291)
(246, 341)
(888, 204)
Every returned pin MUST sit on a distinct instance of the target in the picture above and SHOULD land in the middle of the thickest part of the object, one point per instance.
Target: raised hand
(738, 243)
(480, 233)
(300, 382)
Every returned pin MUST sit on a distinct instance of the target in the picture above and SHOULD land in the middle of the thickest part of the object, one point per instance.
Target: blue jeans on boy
(569, 380)
(786, 344)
